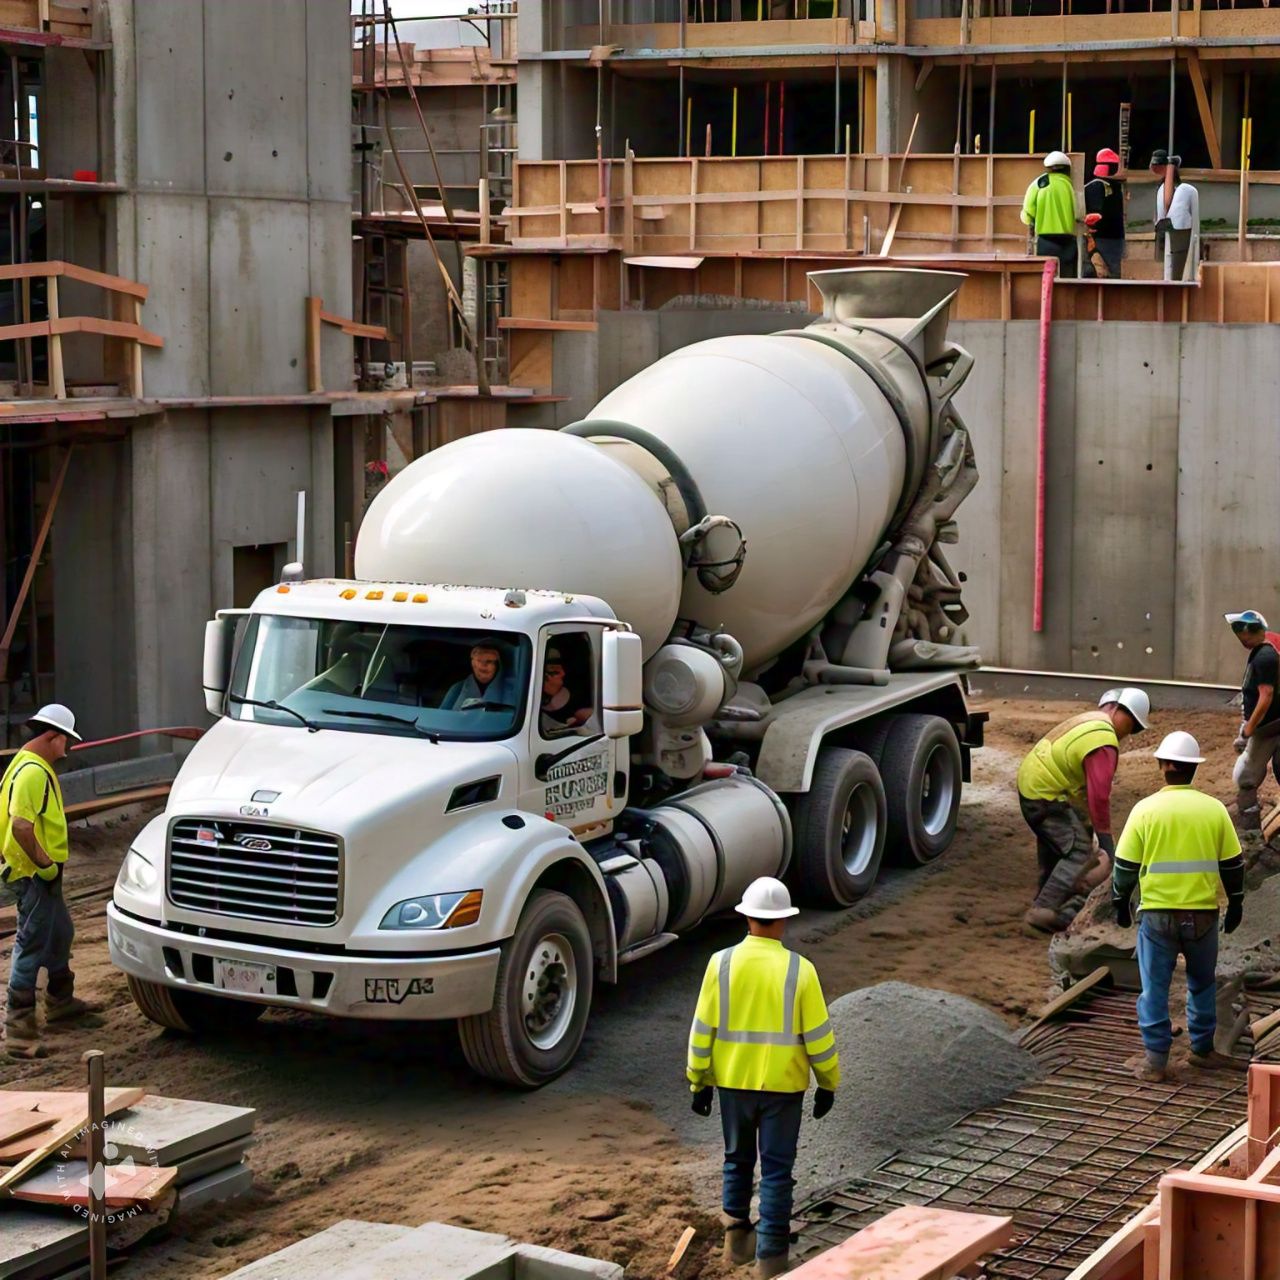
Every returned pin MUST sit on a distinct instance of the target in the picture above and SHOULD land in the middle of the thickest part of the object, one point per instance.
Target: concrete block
(1228, 521)
(434, 1251)
(533, 1262)
(77, 786)
(214, 1188)
(35, 1243)
(1125, 496)
(255, 98)
(323, 1254)
(574, 375)
(168, 44)
(173, 258)
(259, 273)
(171, 1130)
(627, 341)
(226, 1156)
(132, 775)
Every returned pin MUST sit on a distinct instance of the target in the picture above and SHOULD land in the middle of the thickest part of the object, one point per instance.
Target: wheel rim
(550, 991)
(937, 791)
(858, 829)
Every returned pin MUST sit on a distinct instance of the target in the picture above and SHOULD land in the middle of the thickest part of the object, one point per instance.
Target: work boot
(1155, 1070)
(69, 1009)
(22, 1032)
(1045, 920)
(1213, 1060)
(775, 1265)
(739, 1241)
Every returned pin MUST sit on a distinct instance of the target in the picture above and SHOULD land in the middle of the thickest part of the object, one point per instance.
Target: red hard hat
(1105, 157)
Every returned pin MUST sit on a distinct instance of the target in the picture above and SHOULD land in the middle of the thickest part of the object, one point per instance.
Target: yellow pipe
(1031, 134)
(733, 137)
(688, 124)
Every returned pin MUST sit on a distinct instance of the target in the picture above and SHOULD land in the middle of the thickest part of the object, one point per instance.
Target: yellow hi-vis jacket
(1179, 837)
(761, 1022)
(1054, 768)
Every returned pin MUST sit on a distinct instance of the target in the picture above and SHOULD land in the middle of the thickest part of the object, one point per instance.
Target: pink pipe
(1042, 437)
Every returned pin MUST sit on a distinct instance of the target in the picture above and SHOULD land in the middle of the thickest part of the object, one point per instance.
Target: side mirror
(622, 684)
(219, 637)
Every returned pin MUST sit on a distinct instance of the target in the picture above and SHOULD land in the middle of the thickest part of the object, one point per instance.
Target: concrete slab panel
(214, 1188)
(173, 258)
(573, 372)
(133, 775)
(627, 341)
(1125, 498)
(329, 270)
(259, 274)
(433, 1251)
(322, 1254)
(169, 93)
(329, 100)
(534, 1262)
(1228, 519)
(93, 538)
(1019, 645)
(38, 1243)
(977, 555)
(255, 96)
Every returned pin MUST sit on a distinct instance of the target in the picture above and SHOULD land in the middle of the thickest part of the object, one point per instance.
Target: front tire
(542, 997)
(839, 829)
(191, 1012)
(923, 776)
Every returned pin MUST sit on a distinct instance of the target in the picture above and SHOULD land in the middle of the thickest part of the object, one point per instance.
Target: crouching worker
(760, 1027)
(1179, 845)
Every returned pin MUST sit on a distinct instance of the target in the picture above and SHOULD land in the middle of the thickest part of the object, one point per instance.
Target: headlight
(137, 873)
(435, 911)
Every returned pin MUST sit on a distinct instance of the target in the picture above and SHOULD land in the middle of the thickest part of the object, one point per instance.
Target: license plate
(246, 978)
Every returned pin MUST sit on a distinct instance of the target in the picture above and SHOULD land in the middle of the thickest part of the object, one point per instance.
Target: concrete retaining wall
(1162, 508)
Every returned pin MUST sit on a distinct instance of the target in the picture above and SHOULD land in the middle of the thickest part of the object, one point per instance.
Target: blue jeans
(1160, 941)
(753, 1119)
(43, 941)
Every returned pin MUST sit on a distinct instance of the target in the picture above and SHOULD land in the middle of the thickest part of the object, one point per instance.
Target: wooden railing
(65, 18)
(316, 316)
(124, 335)
(949, 203)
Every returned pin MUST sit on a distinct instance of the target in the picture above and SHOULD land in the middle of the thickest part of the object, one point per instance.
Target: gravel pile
(912, 1062)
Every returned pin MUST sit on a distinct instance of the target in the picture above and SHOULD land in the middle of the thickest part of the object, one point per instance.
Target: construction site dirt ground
(383, 1121)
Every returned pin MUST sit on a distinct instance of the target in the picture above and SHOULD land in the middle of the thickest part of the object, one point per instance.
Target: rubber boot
(1213, 1060)
(739, 1241)
(61, 1003)
(1155, 1069)
(22, 1032)
(775, 1265)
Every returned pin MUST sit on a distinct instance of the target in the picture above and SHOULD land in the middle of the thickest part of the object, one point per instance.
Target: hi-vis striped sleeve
(819, 1039)
(702, 1034)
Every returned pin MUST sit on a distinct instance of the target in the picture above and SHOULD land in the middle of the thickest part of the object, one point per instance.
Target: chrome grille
(255, 870)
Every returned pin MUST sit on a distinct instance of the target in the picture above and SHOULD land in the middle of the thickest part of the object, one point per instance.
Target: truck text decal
(575, 785)
(395, 990)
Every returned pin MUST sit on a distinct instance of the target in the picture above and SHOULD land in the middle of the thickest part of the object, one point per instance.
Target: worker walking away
(1104, 217)
(1259, 738)
(1071, 768)
(1177, 217)
(1051, 207)
(1179, 845)
(760, 1028)
(33, 841)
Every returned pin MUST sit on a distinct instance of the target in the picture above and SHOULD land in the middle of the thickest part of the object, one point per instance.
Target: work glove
(702, 1099)
(823, 1101)
(1107, 843)
(48, 873)
(1124, 912)
(1092, 219)
(1235, 913)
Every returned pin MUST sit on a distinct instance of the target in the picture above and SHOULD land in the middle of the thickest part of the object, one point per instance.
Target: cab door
(573, 774)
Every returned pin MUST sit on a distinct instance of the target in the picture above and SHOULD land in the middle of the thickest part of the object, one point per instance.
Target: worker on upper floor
(1177, 217)
(1070, 768)
(1104, 217)
(1178, 845)
(760, 1029)
(1052, 208)
(1259, 738)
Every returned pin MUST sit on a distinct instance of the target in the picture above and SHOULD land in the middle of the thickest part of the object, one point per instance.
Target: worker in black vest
(1104, 217)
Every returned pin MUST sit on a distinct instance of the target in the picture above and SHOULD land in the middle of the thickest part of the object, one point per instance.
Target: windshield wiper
(385, 716)
(273, 705)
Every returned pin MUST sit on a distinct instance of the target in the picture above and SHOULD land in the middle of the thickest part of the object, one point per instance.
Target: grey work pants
(1064, 849)
(1262, 749)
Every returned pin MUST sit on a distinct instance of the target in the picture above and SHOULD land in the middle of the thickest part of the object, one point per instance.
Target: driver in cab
(484, 686)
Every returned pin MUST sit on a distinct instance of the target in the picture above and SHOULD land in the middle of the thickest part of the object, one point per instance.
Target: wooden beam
(6, 643)
(353, 327)
(315, 378)
(886, 244)
(57, 377)
(1206, 113)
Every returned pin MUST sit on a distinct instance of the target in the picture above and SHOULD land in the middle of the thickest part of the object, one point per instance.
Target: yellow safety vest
(1054, 768)
(1178, 837)
(761, 1022)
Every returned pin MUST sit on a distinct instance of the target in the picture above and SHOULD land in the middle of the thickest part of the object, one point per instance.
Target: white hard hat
(55, 716)
(1057, 158)
(1179, 747)
(1134, 701)
(766, 899)
(1250, 617)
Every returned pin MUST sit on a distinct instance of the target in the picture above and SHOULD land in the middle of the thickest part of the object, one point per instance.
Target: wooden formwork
(832, 203)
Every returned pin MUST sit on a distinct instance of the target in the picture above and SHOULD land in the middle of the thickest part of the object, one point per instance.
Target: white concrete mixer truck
(587, 685)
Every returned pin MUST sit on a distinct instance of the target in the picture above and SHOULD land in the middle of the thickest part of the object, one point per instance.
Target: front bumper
(397, 987)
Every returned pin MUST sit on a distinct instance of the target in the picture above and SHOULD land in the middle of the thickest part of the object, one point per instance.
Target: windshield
(368, 677)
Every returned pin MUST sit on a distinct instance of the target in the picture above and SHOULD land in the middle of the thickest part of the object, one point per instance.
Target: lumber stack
(163, 1155)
